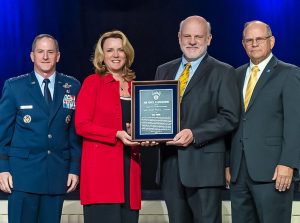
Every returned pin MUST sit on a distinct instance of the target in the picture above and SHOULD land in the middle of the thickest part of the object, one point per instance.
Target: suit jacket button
(49, 136)
(49, 152)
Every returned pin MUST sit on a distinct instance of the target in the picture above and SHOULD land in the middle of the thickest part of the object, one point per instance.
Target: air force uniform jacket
(38, 144)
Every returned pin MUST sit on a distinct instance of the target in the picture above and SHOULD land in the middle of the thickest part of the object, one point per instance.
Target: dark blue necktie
(47, 94)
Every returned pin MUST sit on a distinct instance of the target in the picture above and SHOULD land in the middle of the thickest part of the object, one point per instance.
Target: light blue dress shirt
(50, 85)
(194, 66)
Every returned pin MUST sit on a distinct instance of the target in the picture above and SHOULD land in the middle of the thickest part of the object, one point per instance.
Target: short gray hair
(38, 37)
(208, 24)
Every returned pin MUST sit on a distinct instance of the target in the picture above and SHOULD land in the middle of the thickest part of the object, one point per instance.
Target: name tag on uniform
(69, 101)
(26, 107)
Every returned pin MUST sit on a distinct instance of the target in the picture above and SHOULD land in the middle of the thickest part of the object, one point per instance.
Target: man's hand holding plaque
(183, 138)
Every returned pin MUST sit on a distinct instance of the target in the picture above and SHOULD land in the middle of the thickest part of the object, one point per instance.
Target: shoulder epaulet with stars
(20, 77)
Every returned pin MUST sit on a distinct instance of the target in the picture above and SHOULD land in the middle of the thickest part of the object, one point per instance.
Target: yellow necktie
(183, 79)
(250, 86)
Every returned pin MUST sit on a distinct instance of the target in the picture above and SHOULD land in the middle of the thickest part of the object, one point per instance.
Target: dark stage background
(151, 26)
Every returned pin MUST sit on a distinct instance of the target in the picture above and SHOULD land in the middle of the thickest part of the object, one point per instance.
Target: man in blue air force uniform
(39, 150)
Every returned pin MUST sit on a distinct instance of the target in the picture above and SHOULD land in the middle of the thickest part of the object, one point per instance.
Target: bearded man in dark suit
(192, 165)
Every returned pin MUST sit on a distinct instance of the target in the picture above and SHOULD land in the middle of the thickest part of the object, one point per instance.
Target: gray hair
(38, 37)
(199, 17)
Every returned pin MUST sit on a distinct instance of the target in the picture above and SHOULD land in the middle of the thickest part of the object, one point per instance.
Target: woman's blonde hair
(98, 59)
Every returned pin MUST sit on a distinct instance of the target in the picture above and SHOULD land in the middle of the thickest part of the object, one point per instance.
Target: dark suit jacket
(210, 108)
(269, 131)
(38, 145)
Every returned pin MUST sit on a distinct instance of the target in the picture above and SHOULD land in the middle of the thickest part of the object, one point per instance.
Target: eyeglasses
(258, 40)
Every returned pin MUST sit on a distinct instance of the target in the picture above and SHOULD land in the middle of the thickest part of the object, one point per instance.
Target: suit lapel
(172, 71)
(264, 78)
(241, 81)
(36, 93)
(199, 74)
(59, 92)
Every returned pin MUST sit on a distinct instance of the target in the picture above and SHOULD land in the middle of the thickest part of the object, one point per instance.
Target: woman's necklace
(122, 82)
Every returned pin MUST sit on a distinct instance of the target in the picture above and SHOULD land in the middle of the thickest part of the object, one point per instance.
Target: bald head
(195, 19)
(257, 23)
(258, 41)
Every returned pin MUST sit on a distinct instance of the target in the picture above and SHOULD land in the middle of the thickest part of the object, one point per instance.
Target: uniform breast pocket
(25, 116)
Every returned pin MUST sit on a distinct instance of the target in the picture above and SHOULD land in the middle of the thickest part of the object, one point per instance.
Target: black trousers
(109, 213)
(189, 204)
(114, 213)
(253, 202)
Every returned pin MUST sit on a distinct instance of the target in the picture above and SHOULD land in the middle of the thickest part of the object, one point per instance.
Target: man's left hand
(72, 182)
(183, 138)
(283, 176)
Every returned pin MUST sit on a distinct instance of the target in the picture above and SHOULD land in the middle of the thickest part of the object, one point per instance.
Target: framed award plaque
(155, 113)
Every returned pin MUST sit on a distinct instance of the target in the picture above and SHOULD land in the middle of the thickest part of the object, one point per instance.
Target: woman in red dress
(110, 187)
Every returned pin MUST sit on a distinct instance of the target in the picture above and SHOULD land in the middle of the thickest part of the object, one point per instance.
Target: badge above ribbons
(67, 87)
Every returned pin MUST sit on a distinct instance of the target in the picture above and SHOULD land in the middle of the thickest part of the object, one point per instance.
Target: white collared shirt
(50, 85)
(262, 65)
